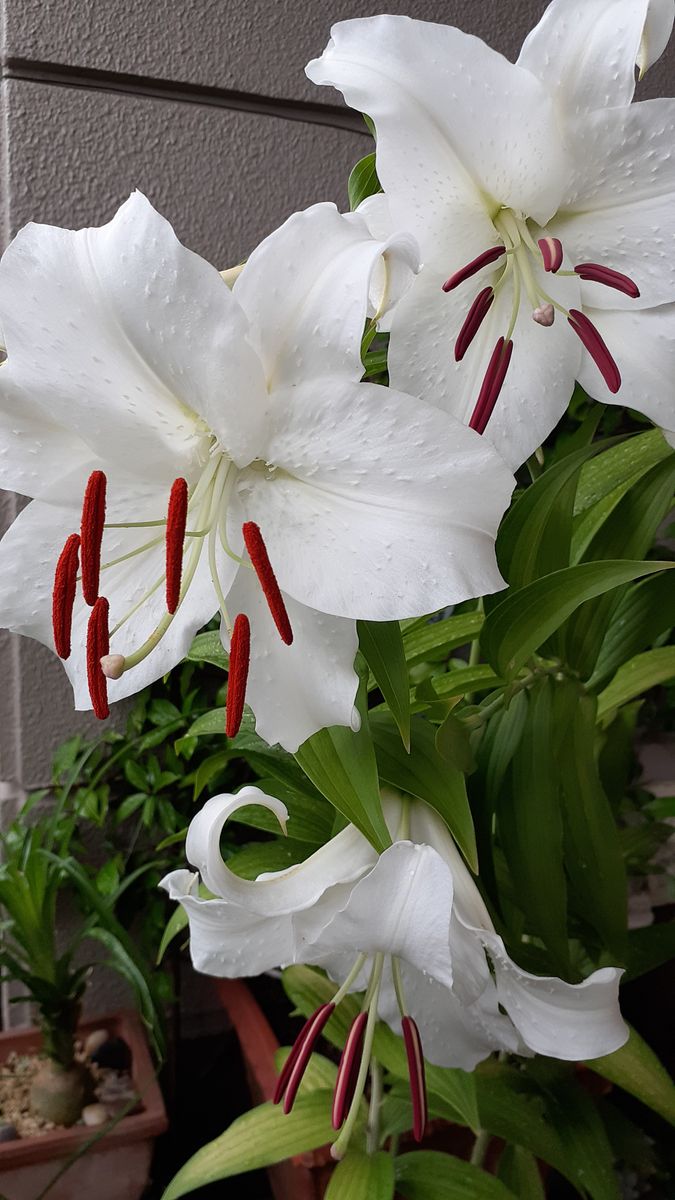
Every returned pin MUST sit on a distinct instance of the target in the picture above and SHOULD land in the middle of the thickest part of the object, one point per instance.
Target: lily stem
(373, 1134)
(480, 1147)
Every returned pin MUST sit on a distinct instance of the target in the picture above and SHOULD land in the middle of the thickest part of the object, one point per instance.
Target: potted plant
(61, 1094)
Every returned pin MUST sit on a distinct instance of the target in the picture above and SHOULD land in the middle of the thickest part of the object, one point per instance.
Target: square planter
(117, 1165)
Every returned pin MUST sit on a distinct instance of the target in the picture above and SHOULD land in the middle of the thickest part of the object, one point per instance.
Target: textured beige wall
(204, 105)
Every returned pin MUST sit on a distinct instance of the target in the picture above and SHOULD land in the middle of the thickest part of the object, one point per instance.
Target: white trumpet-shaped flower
(544, 205)
(408, 924)
(230, 459)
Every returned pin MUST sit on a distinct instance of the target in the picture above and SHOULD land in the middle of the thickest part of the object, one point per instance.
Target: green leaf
(434, 640)
(208, 769)
(363, 181)
(423, 773)
(637, 1070)
(593, 854)
(207, 647)
(522, 622)
(638, 675)
(519, 1171)
(648, 948)
(621, 463)
(453, 742)
(431, 1175)
(463, 680)
(530, 827)
(341, 764)
(177, 922)
(252, 860)
(208, 723)
(259, 1138)
(363, 1177)
(645, 611)
(381, 644)
(310, 819)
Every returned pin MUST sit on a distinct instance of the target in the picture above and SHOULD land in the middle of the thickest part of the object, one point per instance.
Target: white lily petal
(306, 291)
(296, 889)
(138, 339)
(656, 33)
(643, 344)
(585, 54)
(360, 521)
(621, 200)
(540, 378)
(452, 1033)
(34, 451)
(452, 116)
(227, 940)
(402, 907)
(564, 1020)
(296, 690)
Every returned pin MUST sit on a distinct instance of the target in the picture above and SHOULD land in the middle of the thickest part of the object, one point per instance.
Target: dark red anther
(176, 519)
(98, 644)
(416, 1073)
(295, 1066)
(597, 349)
(474, 319)
(348, 1070)
(551, 253)
(63, 595)
(93, 519)
(257, 552)
(472, 268)
(610, 278)
(240, 657)
(492, 385)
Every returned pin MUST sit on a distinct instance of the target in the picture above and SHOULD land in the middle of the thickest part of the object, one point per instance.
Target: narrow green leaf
(423, 773)
(519, 1171)
(648, 948)
(522, 622)
(630, 458)
(363, 181)
(637, 676)
(645, 611)
(257, 858)
(381, 644)
(342, 765)
(363, 1177)
(434, 640)
(208, 723)
(453, 742)
(530, 828)
(207, 647)
(637, 1070)
(463, 680)
(310, 819)
(431, 1175)
(259, 1138)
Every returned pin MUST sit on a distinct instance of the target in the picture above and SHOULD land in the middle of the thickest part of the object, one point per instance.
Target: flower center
(524, 259)
(195, 522)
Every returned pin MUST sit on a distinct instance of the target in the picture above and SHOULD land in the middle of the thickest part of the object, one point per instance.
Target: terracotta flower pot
(118, 1163)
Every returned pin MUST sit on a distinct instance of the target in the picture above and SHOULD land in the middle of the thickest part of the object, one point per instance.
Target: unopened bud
(112, 665)
(544, 315)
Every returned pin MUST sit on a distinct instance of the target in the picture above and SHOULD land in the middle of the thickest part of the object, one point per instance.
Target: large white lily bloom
(417, 905)
(548, 164)
(130, 358)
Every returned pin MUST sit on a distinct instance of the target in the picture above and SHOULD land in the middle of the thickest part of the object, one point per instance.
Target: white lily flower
(228, 429)
(409, 925)
(510, 172)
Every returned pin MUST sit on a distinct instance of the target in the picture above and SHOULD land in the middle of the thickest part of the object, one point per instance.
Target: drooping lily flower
(410, 927)
(230, 460)
(544, 205)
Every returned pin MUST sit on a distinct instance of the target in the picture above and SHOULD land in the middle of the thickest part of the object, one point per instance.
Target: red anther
(98, 644)
(492, 385)
(240, 657)
(551, 253)
(474, 319)
(597, 349)
(176, 519)
(295, 1066)
(257, 552)
(472, 268)
(416, 1073)
(93, 518)
(63, 595)
(348, 1070)
(610, 278)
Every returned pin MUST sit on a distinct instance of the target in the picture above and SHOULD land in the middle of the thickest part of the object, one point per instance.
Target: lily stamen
(93, 520)
(262, 566)
(240, 656)
(98, 647)
(474, 319)
(594, 343)
(608, 277)
(348, 1070)
(492, 385)
(176, 521)
(551, 253)
(472, 268)
(298, 1060)
(416, 1073)
(63, 594)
